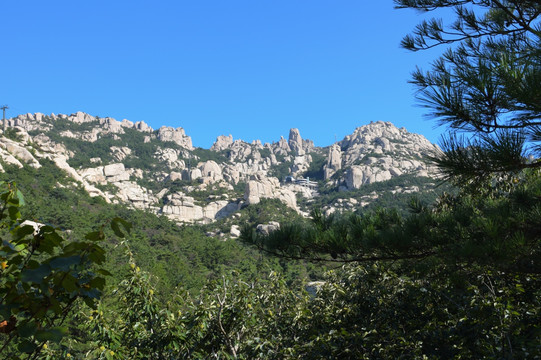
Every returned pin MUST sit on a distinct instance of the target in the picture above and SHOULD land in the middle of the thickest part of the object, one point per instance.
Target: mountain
(161, 172)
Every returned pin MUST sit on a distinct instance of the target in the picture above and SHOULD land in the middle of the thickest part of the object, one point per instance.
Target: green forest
(458, 277)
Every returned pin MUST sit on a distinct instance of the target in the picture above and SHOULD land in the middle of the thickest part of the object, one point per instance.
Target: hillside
(159, 171)
(80, 171)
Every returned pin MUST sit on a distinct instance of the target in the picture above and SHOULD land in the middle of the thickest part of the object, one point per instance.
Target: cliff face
(160, 170)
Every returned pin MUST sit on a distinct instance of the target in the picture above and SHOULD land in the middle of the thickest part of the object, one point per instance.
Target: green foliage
(357, 312)
(230, 318)
(13, 134)
(281, 170)
(85, 150)
(268, 210)
(385, 198)
(205, 155)
(371, 312)
(315, 171)
(43, 278)
(265, 153)
(459, 279)
(459, 229)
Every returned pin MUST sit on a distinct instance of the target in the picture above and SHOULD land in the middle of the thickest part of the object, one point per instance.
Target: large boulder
(266, 229)
(263, 187)
(191, 174)
(334, 161)
(357, 176)
(182, 208)
(94, 175)
(222, 142)
(210, 169)
(234, 231)
(113, 169)
(143, 127)
(219, 209)
(166, 133)
(80, 117)
(295, 142)
(19, 151)
(132, 193)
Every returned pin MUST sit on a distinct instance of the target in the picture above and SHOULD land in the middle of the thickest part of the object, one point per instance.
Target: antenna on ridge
(4, 107)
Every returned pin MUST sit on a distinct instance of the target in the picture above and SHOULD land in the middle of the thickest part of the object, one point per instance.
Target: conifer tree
(486, 87)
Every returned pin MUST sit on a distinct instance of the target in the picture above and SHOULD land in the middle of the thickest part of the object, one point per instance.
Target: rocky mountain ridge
(160, 170)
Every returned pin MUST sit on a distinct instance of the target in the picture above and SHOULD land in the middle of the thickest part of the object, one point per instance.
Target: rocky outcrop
(182, 208)
(142, 126)
(356, 176)
(138, 197)
(380, 151)
(238, 150)
(191, 174)
(266, 229)
(219, 209)
(234, 231)
(263, 187)
(112, 126)
(334, 161)
(45, 144)
(120, 152)
(80, 117)
(211, 171)
(166, 133)
(222, 143)
(295, 142)
(282, 147)
(13, 153)
(375, 152)
(300, 164)
(170, 157)
(381, 138)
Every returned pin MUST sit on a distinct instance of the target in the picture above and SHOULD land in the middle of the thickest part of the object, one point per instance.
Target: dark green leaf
(14, 213)
(97, 283)
(24, 231)
(26, 347)
(69, 283)
(64, 263)
(27, 329)
(115, 225)
(95, 236)
(36, 275)
(54, 334)
(104, 272)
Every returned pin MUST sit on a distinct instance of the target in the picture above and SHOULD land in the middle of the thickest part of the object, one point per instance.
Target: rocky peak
(295, 142)
(167, 133)
(375, 152)
(222, 143)
(334, 161)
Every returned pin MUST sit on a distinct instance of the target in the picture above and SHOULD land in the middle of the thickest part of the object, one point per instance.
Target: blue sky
(253, 69)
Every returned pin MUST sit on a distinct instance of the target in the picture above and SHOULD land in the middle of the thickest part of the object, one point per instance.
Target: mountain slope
(161, 172)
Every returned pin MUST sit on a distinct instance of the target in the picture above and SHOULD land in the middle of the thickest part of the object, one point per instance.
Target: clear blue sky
(253, 69)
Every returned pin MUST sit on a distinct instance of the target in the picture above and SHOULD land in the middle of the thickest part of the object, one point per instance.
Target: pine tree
(486, 87)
